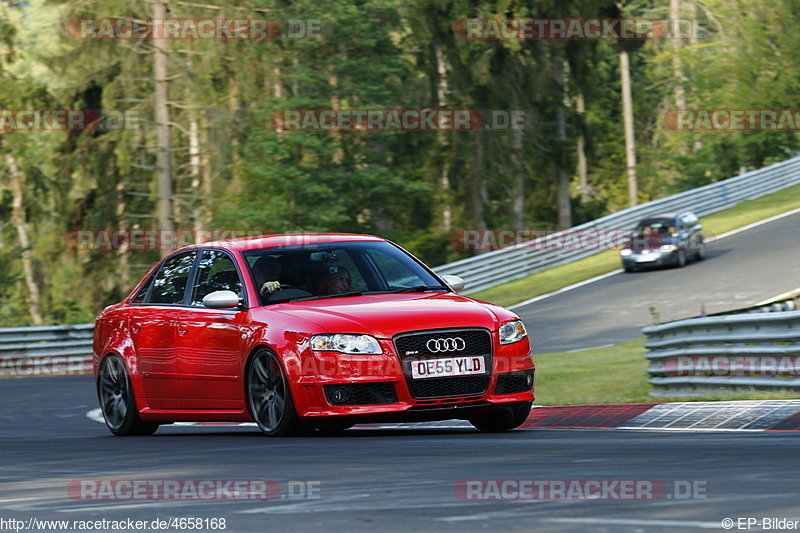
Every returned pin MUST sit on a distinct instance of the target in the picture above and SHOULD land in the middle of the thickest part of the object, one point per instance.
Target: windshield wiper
(313, 297)
(419, 288)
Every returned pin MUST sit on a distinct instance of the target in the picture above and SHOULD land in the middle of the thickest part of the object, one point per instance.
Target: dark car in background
(664, 240)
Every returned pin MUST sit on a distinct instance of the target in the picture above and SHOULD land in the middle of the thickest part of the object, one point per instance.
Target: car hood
(385, 315)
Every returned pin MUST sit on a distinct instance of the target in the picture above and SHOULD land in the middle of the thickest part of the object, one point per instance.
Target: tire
(503, 418)
(629, 268)
(117, 400)
(700, 254)
(270, 398)
(681, 261)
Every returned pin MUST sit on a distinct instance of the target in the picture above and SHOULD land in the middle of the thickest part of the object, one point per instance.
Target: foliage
(232, 169)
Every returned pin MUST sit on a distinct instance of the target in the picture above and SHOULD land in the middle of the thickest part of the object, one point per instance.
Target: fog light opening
(340, 394)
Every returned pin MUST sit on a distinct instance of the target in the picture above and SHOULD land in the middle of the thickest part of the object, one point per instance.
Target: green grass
(612, 374)
(562, 276)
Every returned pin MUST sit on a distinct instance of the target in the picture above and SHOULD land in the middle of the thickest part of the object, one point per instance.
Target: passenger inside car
(336, 282)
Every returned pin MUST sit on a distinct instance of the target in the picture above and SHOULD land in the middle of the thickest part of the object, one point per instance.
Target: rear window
(169, 284)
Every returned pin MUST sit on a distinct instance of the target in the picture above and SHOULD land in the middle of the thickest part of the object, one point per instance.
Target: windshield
(328, 270)
(661, 227)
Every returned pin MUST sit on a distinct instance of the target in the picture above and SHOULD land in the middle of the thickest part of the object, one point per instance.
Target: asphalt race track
(739, 271)
(385, 480)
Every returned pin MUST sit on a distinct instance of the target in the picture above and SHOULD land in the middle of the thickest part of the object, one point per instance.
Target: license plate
(448, 366)
(647, 257)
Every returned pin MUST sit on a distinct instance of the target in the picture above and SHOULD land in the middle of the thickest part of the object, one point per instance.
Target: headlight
(345, 343)
(668, 248)
(512, 332)
(625, 252)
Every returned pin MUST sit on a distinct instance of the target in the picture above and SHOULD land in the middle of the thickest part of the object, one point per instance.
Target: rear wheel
(270, 398)
(117, 400)
(502, 418)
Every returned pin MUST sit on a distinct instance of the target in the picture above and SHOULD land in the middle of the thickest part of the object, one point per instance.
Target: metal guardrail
(46, 350)
(501, 266)
(791, 303)
(701, 356)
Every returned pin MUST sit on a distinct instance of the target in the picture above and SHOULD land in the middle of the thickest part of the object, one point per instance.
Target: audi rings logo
(455, 344)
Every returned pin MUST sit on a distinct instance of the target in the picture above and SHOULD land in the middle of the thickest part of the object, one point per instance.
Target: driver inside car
(267, 271)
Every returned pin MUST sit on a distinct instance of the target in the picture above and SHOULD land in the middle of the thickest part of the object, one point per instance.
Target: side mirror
(676, 234)
(456, 283)
(221, 300)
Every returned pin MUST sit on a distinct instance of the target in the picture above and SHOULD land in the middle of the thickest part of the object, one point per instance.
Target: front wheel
(681, 261)
(502, 418)
(269, 397)
(117, 400)
(700, 254)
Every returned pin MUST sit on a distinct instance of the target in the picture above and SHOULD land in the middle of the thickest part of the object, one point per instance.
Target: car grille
(361, 393)
(448, 387)
(514, 382)
(414, 346)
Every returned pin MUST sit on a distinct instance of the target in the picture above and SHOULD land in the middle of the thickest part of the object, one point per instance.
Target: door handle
(183, 331)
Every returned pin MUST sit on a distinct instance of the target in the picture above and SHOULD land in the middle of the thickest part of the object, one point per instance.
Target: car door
(211, 341)
(153, 331)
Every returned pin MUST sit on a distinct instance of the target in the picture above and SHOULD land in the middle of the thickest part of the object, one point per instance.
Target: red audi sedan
(307, 333)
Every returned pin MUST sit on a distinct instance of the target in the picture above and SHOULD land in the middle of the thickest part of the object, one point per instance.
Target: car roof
(289, 239)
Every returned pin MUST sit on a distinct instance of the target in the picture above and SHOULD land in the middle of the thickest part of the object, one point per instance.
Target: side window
(169, 284)
(139, 297)
(215, 272)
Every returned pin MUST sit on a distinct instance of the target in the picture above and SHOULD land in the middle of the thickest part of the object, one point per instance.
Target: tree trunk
(442, 90)
(476, 186)
(518, 181)
(562, 174)
(195, 172)
(18, 220)
(583, 169)
(124, 252)
(207, 183)
(677, 70)
(627, 118)
(164, 163)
